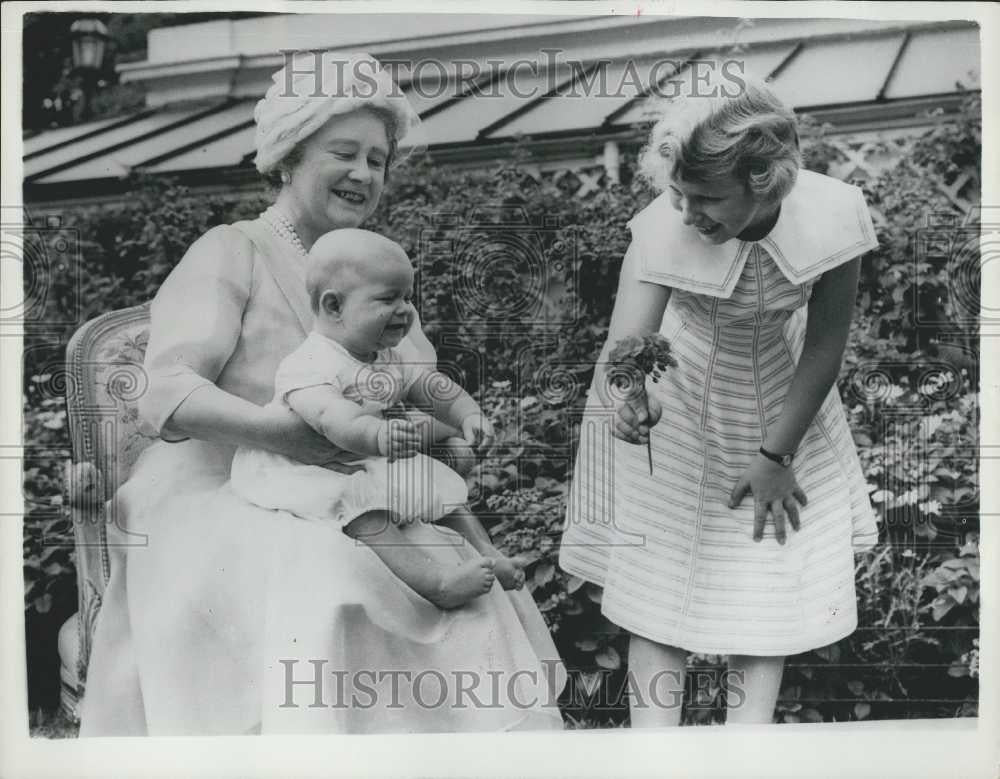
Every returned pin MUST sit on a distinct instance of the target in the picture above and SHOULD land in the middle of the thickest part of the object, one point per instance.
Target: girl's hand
(477, 431)
(398, 439)
(289, 434)
(635, 416)
(774, 489)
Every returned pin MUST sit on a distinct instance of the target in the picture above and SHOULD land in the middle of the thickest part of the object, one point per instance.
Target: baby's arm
(451, 405)
(350, 426)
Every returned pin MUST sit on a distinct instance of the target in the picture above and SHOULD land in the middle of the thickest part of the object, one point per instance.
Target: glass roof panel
(59, 135)
(431, 93)
(935, 61)
(594, 97)
(837, 71)
(463, 121)
(758, 62)
(225, 152)
(118, 163)
(102, 141)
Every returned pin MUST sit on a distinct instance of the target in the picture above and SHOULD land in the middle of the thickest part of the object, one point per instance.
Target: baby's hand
(398, 439)
(477, 431)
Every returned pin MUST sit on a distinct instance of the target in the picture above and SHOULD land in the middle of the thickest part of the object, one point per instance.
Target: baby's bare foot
(510, 571)
(467, 581)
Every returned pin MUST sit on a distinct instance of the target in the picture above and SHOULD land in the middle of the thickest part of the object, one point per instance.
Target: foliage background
(538, 265)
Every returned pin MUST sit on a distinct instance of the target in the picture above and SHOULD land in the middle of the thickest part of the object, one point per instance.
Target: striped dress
(677, 565)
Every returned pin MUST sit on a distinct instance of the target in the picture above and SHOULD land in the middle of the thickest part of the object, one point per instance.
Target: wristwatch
(781, 459)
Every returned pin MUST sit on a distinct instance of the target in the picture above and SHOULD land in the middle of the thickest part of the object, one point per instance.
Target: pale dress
(216, 606)
(677, 565)
(410, 489)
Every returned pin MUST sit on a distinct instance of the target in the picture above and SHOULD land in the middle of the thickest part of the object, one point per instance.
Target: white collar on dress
(823, 223)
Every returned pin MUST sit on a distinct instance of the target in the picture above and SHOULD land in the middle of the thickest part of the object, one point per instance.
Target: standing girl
(742, 541)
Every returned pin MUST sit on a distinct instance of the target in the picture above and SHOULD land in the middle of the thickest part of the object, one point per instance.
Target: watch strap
(781, 459)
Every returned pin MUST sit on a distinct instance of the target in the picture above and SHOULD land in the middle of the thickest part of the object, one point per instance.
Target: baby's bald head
(341, 259)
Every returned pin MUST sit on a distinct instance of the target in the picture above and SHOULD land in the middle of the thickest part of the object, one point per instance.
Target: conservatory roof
(884, 71)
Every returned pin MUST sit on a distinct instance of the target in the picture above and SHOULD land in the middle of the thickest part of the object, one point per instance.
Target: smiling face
(378, 311)
(339, 176)
(363, 284)
(721, 210)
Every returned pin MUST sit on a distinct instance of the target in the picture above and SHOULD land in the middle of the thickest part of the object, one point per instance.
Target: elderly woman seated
(232, 618)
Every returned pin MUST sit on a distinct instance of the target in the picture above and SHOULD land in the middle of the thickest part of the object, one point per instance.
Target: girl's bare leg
(754, 684)
(657, 672)
(446, 588)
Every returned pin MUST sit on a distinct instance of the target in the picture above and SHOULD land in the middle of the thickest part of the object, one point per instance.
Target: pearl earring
(286, 177)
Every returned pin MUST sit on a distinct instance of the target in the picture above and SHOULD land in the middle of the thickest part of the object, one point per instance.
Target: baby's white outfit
(412, 488)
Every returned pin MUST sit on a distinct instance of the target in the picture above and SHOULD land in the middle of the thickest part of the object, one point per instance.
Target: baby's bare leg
(509, 570)
(447, 588)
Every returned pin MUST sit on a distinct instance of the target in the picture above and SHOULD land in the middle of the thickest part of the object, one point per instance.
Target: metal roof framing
(125, 144)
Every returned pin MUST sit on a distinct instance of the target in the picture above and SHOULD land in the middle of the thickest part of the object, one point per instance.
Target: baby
(348, 372)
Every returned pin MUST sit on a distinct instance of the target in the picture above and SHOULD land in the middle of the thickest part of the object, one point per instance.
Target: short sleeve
(305, 367)
(633, 266)
(196, 320)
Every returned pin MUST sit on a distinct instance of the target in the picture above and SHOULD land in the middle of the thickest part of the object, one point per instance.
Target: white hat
(312, 87)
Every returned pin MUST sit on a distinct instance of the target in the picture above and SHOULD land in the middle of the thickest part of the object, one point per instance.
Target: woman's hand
(774, 489)
(635, 416)
(288, 434)
(477, 431)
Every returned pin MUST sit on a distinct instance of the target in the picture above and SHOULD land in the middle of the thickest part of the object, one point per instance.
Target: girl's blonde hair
(732, 129)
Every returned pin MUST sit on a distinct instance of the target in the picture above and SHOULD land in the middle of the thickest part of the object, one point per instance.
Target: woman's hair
(294, 157)
(750, 136)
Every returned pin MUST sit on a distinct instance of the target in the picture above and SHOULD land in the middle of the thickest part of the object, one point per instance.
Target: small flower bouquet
(635, 357)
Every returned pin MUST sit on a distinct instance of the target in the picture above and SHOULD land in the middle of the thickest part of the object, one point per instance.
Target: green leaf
(862, 710)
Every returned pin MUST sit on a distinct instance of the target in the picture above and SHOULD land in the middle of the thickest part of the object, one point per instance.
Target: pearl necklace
(284, 229)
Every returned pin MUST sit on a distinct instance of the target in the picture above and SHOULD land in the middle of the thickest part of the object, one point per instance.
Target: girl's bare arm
(831, 309)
